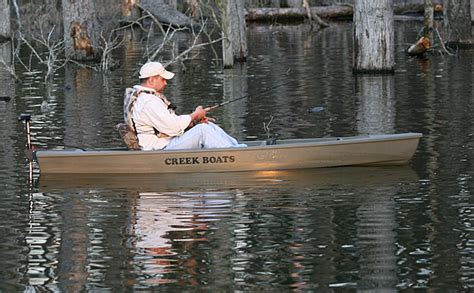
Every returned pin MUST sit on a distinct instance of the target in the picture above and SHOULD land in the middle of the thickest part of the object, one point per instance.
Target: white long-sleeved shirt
(151, 112)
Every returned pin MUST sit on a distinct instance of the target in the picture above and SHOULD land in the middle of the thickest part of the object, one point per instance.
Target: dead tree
(234, 44)
(457, 22)
(374, 47)
(5, 27)
(81, 35)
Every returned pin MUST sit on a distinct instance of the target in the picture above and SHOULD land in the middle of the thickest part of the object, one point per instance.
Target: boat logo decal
(200, 160)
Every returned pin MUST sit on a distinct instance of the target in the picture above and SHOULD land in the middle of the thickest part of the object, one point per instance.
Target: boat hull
(392, 149)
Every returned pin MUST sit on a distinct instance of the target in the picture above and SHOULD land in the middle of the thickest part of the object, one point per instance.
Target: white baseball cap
(155, 68)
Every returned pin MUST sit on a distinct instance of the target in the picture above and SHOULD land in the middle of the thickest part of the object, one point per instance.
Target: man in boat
(153, 117)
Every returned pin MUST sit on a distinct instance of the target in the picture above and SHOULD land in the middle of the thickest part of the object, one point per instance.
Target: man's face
(159, 83)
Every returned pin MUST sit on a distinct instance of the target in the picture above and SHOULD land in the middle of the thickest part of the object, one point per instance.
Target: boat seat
(128, 136)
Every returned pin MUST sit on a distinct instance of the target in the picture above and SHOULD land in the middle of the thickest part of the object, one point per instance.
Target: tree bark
(374, 47)
(5, 27)
(457, 22)
(428, 22)
(234, 44)
(81, 36)
(298, 13)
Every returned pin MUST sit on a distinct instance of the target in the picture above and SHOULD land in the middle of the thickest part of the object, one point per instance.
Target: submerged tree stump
(374, 47)
(420, 47)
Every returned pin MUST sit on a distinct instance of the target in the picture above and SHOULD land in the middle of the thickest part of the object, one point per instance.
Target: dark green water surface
(338, 229)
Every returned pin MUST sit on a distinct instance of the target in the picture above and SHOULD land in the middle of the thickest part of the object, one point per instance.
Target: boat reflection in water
(228, 180)
(182, 227)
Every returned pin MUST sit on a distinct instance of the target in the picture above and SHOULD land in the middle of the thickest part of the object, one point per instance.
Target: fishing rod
(245, 96)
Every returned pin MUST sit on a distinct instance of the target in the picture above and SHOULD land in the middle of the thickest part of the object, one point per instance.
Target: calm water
(340, 229)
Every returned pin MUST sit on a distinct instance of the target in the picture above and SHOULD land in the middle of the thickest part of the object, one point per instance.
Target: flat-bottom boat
(369, 150)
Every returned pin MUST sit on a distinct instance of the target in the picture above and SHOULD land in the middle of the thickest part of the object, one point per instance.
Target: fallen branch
(299, 13)
(312, 16)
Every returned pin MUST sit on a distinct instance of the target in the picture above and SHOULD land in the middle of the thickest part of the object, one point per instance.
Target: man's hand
(198, 114)
(206, 120)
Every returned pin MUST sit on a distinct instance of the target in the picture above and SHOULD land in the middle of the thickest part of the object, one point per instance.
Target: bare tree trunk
(81, 36)
(5, 27)
(234, 44)
(429, 13)
(374, 48)
(457, 22)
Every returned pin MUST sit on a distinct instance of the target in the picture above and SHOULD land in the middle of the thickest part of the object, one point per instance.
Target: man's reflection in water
(167, 227)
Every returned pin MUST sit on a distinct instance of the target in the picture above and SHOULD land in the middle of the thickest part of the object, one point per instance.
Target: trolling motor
(29, 147)
(27, 119)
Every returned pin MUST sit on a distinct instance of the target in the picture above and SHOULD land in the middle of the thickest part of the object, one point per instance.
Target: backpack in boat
(127, 133)
(128, 136)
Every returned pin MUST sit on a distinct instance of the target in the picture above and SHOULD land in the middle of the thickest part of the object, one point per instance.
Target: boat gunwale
(290, 143)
